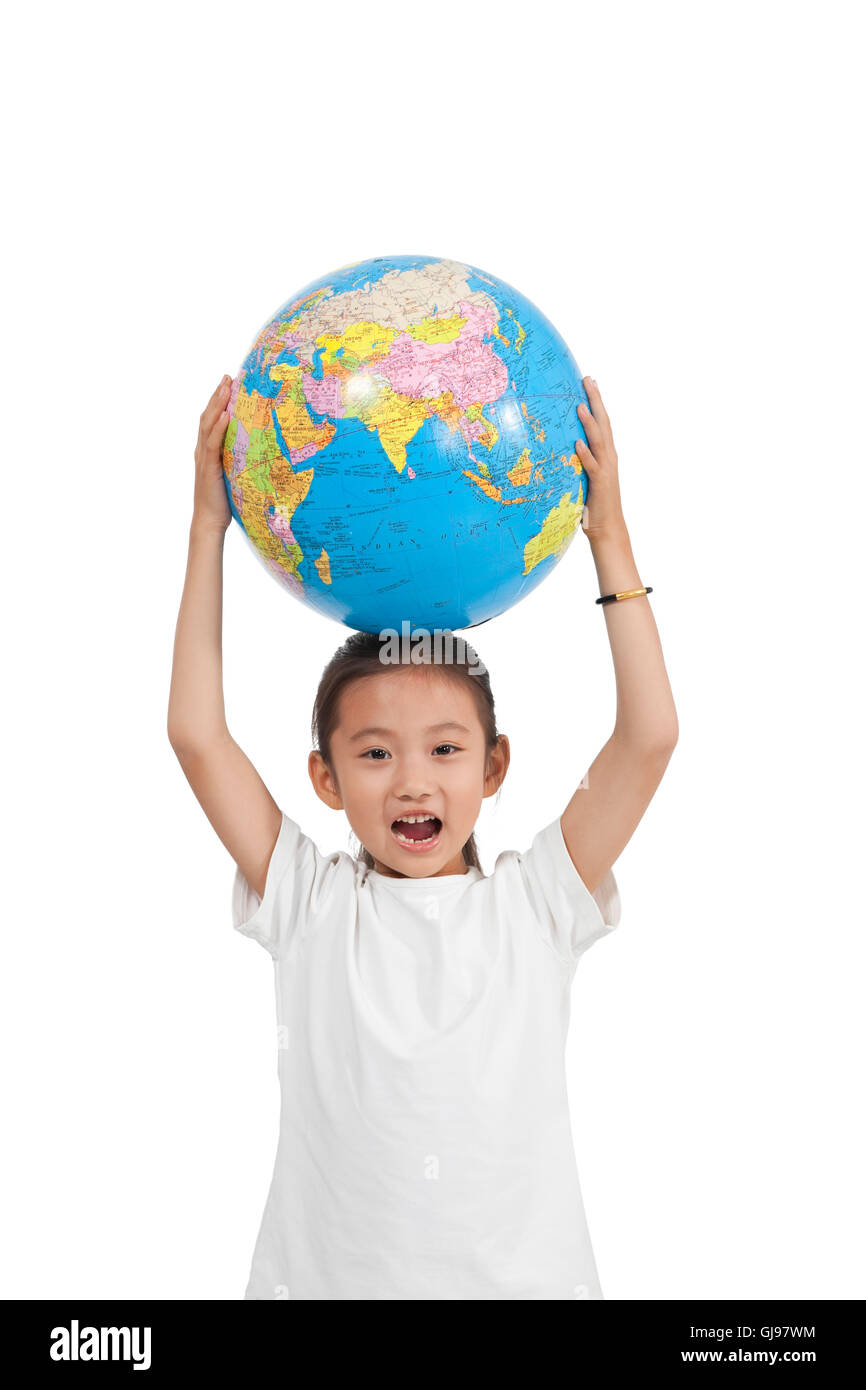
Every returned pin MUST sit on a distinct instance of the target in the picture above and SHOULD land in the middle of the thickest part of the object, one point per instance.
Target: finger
(217, 431)
(216, 403)
(591, 427)
(595, 402)
(585, 454)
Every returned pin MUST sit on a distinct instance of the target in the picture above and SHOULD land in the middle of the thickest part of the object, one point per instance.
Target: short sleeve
(569, 916)
(299, 885)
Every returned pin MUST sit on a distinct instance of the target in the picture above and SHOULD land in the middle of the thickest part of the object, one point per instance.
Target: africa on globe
(400, 446)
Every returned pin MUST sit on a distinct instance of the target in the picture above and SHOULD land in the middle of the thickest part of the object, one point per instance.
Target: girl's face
(410, 743)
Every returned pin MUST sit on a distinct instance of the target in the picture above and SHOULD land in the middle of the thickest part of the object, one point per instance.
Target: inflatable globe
(400, 445)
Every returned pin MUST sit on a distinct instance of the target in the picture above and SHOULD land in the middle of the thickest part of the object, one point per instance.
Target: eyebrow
(431, 729)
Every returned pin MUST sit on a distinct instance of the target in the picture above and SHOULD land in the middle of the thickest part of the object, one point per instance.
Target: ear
(324, 783)
(497, 765)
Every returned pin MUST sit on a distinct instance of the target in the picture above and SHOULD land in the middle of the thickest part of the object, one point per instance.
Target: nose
(414, 778)
(413, 789)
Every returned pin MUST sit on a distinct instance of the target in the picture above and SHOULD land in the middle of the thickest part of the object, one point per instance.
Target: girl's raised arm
(227, 786)
(604, 812)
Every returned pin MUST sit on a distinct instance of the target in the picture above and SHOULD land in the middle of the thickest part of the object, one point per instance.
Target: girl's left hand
(602, 511)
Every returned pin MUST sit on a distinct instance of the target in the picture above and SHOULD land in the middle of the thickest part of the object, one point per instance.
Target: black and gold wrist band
(627, 593)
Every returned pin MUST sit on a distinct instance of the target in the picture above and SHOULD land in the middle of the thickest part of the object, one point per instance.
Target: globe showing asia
(400, 445)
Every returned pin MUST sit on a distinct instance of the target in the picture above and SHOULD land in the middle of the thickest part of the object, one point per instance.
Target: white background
(678, 187)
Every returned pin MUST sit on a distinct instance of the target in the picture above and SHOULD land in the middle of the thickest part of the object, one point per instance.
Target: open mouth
(417, 832)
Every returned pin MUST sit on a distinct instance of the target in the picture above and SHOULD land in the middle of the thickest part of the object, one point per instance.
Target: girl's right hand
(211, 504)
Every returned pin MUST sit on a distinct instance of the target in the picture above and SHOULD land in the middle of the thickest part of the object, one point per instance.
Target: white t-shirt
(425, 1147)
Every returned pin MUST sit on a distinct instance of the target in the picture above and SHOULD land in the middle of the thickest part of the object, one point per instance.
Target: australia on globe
(400, 445)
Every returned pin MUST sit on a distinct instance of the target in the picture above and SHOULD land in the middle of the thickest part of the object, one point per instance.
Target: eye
(375, 750)
(446, 745)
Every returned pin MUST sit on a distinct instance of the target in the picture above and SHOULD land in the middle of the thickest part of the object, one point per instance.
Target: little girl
(425, 1146)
